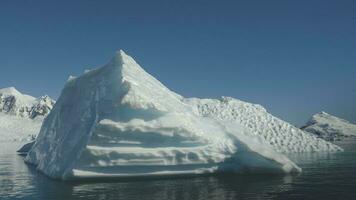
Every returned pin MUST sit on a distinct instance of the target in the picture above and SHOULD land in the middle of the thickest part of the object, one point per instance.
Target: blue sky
(293, 57)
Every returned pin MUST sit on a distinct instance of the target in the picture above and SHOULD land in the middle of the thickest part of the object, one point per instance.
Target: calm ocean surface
(325, 176)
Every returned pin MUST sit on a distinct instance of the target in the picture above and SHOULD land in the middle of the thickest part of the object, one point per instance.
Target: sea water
(324, 176)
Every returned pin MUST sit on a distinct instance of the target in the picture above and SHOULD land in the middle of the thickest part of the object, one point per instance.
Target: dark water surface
(325, 176)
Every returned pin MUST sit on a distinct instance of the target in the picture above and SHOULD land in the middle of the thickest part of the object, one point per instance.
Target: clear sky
(293, 57)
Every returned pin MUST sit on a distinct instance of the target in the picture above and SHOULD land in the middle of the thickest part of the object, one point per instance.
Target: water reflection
(227, 186)
(224, 186)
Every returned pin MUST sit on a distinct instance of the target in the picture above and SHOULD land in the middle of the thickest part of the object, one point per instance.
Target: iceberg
(119, 121)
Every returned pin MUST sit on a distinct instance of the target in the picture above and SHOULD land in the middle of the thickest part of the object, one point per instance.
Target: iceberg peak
(121, 52)
(323, 113)
(121, 58)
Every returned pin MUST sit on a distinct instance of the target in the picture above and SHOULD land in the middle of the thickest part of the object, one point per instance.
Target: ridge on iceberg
(329, 127)
(119, 121)
(280, 135)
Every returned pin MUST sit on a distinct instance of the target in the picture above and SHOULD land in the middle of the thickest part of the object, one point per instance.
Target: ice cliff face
(329, 127)
(119, 121)
(21, 115)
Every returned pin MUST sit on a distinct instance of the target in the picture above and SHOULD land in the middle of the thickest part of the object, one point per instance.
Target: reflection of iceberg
(120, 121)
(219, 187)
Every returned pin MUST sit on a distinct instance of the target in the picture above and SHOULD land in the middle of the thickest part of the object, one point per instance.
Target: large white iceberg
(119, 121)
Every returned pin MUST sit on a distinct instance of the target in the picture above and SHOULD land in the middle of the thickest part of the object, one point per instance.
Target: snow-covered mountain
(329, 127)
(15, 103)
(21, 115)
(118, 121)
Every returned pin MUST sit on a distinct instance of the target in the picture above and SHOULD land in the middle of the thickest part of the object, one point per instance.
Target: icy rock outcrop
(119, 121)
(21, 115)
(282, 136)
(42, 107)
(329, 127)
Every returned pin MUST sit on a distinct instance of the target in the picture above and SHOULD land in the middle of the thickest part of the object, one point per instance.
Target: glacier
(119, 121)
(329, 127)
(21, 115)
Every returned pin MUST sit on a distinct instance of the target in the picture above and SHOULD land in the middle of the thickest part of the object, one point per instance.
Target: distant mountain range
(15, 103)
(21, 115)
(329, 127)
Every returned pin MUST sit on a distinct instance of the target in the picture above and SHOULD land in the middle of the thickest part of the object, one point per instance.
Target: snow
(21, 115)
(13, 128)
(15, 103)
(280, 135)
(329, 127)
(119, 121)
(42, 107)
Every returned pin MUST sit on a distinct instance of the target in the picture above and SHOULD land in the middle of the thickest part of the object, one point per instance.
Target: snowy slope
(329, 127)
(281, 135)
(21, 115)
(120, 121)
(13, 128)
